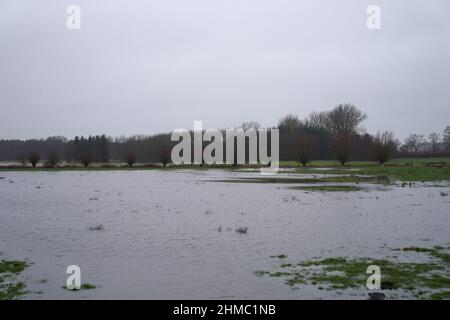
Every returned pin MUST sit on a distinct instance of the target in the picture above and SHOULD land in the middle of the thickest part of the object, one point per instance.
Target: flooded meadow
(223, 234)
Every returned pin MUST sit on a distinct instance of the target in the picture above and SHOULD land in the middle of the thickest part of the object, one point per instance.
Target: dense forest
(334, 134)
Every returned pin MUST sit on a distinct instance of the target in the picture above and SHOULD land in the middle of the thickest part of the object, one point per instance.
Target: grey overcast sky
(142, 67)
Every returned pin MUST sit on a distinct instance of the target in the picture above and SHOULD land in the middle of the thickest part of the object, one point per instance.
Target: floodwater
(172, 234)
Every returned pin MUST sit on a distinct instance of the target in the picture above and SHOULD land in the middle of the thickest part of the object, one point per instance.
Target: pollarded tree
(307, 148)
(34, 158)
(164, 154)
(343, 123)
(446, 139)
(289, 126)
(22, 158)
(384, 145)
(53, 159)
(343, 146)
(131, 158)
(86, 158)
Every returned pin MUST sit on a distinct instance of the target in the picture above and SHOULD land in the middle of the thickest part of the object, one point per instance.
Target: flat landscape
(227, 233)
(224, 159)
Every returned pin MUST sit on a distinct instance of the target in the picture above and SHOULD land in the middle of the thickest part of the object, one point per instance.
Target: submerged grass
(401, 173)
(328, 188)
(84, 286)
(440, 295)
(393, 162)
(430, 279)
(10, 287)
(342, 178)
(420, 169)
(280, 256)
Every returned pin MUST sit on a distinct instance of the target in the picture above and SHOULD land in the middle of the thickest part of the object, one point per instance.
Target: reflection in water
(155, 240)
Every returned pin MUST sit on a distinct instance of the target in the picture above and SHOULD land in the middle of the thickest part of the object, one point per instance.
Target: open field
(306, 233)
(393, 162)
(409, 169)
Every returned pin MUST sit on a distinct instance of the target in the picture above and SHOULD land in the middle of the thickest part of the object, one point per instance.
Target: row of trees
(323, 135)
(337, 134)
(334, 134)
(87, 150)
(433, 145)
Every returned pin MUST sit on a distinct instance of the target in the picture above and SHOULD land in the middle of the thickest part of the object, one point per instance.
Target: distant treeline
(334, 134)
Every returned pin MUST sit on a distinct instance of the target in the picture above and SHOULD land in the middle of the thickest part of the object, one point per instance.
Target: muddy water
(171, 234)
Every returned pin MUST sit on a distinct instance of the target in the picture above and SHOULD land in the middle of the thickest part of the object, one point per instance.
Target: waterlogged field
(191, 234)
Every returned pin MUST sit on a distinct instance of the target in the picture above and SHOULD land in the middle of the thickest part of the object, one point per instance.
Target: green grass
(441, 295)
(403, 173)
(420, 160)
(392, 162)
(410, 169)
(429, 279)
(280, 256)
(348, 178)
(13, 267)
(270, 180)
(10, 287)
(12, 291)
(410, 173)
(437, 252)
(325, 163)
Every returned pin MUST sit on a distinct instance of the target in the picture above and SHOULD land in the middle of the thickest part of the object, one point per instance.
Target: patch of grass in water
(84, 286)
(326, 261)
(328, 188)
(10, 288)
(286, 265)
(440, 295)
(348, 178)
(12, 291)
(270, 180)
(87, 286)
(357, 179)
(14, 267)
(401, 173)
(420, 280)
(280, 256)
(437, 252)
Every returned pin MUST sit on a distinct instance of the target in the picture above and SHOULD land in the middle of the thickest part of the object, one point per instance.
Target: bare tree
(345, 119)
(384, 145)
(53, 159)
(164, 154)
(446, 139)
(131, 158)
(413, 142)
(307, 147)
(34, 158)
(289, 127)
(434, 139)
(317, 120)
(343, 122)
(86, 159)
(250, 125)
(289, 123)
(343, 145)
(23, 159)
